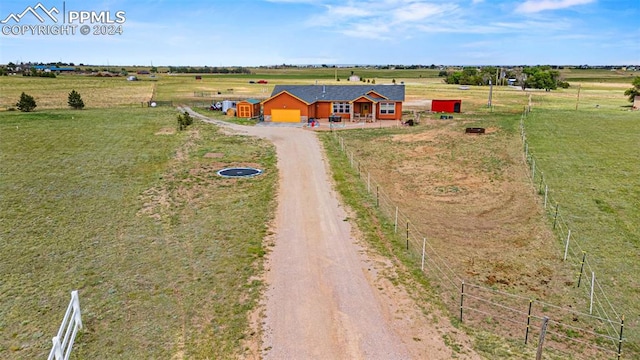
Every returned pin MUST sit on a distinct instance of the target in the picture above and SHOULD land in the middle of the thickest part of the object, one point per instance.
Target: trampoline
(239, 172)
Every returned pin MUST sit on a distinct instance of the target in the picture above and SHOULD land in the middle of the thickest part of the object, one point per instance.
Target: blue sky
(268, 32)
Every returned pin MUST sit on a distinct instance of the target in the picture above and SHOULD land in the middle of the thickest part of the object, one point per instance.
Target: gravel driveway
(323, 301)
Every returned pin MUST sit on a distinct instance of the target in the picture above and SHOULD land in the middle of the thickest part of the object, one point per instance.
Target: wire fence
(596, 334)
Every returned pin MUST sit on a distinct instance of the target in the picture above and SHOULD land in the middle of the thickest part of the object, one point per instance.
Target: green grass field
(112, 201)
(119, 206)
(592, 166)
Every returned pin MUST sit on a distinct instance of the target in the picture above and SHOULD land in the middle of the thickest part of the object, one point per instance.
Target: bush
(26, 103)
(75, 100)
(184, 120)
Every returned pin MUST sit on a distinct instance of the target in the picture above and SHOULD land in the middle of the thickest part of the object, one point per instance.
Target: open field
(119, 206)
(100, 196)
(592, 167)
(96, 92)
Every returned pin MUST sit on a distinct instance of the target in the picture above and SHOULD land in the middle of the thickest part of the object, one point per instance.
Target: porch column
(351, 111)
(373, 112)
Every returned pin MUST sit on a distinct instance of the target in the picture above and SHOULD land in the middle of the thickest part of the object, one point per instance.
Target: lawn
(123, 208)
(592, 166)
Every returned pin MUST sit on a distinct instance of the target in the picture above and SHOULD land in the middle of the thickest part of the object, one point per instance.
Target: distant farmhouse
(299, 103)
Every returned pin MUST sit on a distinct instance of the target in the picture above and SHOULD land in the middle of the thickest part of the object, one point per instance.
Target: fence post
(566, 247)
(620, 339)
(407, 235)
(57, 348)
(543, 332)
(395, 224)
(584, 255)
(76, 308)
(378, 195)
(461, 300)
(593, 280)
(424, 245)
(546, 192)
(526, 334)
(555, 217)
(533, 169)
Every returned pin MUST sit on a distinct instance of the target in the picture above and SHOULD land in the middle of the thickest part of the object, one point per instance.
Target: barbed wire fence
(598, 333)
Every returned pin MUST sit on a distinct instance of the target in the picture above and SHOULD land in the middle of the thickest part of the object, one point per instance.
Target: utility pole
(490, 93)
(578, 98)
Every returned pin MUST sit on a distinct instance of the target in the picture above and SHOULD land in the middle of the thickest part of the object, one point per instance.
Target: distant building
(354, 78)
(49, 68)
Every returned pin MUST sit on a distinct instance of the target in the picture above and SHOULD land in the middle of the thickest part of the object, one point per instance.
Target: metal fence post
(526, 334)
(407, 235)
(566, 247)
(555, 217)
(584, 255)
(620, 339)
(461, 300)
(424, 245)
(593, 280)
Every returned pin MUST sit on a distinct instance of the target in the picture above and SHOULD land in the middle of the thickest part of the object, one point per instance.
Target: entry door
(365, 109)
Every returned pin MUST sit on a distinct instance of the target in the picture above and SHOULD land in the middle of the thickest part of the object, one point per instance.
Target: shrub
(26, 103)
(75, 100)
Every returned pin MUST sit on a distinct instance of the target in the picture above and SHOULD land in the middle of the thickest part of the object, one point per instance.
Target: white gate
(72, 322)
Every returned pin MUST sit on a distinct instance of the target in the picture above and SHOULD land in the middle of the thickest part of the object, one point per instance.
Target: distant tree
(75, 100)
(635, 90)
(541, 77)
(26, 103)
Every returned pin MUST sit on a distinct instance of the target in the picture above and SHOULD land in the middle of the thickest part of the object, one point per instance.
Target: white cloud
(534, 6)
(419, 11)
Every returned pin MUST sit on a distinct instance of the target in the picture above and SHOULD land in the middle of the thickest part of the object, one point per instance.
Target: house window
(387, 108)
(341, 107)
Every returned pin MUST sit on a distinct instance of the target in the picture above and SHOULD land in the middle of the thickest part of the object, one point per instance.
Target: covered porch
(363, 109)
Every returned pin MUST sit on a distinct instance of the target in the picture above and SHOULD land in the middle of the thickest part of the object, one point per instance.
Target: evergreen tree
(27, 103)
(635, 90)
(75, 100)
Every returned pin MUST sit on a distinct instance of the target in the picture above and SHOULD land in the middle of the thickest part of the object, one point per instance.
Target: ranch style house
(299, 103)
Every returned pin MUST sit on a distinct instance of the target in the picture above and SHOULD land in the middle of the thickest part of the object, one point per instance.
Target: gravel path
(323, 301)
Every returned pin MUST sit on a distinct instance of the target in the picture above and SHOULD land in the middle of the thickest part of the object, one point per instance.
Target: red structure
(449, 106)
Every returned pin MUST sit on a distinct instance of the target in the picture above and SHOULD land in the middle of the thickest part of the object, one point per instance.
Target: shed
(228, 104)
(248, 108)
(449, 106)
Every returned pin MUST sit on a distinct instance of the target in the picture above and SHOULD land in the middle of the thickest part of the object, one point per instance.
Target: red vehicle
(262, 81)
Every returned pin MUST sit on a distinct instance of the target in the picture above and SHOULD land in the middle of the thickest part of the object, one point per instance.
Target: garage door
(285, 115)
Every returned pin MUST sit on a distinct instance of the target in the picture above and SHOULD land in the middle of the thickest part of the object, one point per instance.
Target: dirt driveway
(327, 296)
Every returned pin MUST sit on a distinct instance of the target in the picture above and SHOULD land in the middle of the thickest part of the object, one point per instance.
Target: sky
(302, 32)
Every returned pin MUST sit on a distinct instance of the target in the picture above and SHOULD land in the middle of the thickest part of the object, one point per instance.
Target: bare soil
(328, 296)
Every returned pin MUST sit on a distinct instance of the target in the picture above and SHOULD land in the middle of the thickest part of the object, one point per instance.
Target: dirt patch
(166, 131)
(213, 155)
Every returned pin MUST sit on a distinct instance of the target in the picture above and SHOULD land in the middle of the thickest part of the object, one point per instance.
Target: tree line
(535, 77)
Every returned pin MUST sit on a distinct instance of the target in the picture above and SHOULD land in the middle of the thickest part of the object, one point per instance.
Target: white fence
(71, 323)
